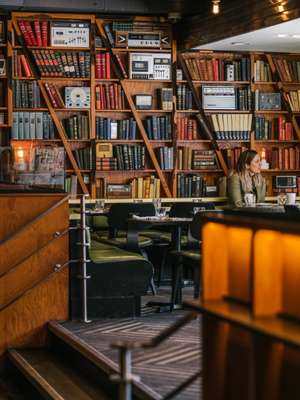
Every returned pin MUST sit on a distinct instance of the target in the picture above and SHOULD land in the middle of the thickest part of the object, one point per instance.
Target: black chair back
(119, 213)
(186, 209)
(196, 224)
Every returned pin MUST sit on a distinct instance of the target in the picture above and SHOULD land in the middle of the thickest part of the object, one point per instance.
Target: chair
(190, 257)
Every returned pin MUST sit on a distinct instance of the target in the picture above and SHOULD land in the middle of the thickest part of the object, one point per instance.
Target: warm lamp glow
(216, 7)
(20, 153)
(263, 154)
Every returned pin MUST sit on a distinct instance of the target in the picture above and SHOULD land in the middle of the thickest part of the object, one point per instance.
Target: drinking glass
(99, 205)
(250, 199)
(281, 199)
(157, 205)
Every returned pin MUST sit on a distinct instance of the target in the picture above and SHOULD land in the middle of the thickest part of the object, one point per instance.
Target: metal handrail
(126, 378)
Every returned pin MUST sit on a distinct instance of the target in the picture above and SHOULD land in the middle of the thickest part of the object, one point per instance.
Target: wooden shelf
(4, 126)
(3, 77)
(24, 78)
(277, 141)
(280, 171)
(223, 82)
(227, 111)
(274, 327)
(107, 80)
(193, 141)
(187, 111)
(265, 83)
(191, 171)
(148, 80)
(271, 112)
(71, 109)
(3, 45)
(140, 50)
(116, 141)
(113, 111)
(126, 171)
(233, 141)
(31, 109)
(63, 78)
(81, 170)
(54, 48)
(153, 111)
(3, 108)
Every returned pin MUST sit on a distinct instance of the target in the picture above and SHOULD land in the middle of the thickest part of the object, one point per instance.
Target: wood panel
(17, 213)
(236, 17)
(32, 237)
(31, 292)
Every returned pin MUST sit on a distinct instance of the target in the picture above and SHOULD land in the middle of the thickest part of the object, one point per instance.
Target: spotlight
(216, 6)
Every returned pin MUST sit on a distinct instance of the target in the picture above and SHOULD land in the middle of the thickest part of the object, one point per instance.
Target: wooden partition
(33, 240)
(251, 307)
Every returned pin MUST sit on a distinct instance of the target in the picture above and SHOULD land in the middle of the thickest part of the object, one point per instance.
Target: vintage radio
(70, 34)
(150, 66)
(285, 182)
(218, 97)
(142, 39)
(104, 150)
(143, 101)
(77, 97)
(114, 190)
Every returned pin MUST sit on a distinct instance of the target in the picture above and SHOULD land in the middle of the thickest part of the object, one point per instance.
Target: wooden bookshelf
(204, 138)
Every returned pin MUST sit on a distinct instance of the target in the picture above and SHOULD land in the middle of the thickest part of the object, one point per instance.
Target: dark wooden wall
(236, 17)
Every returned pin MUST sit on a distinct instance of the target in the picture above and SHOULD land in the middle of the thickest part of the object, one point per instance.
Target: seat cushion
(144, 241)
(157, 236)
(188, 255)
(113, 254)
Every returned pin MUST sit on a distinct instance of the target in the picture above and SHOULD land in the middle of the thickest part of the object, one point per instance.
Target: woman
(246, 179)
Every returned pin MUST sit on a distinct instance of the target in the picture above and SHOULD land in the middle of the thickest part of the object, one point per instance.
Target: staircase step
(53, 377)
(102, 363)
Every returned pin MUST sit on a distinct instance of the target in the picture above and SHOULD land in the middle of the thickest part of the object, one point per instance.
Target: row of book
(284, 158)
(187, 158)
(294, 100)
(84, 157)
(69, 64)
(159, 128)
(35, 33)
(54, 95)
(275, 129)
(219, 69)
(232, 126)
(26, 94)
(103, 65)
(130, 157)
(262, 71)
(288, 70)
(2, 32)
(231, 156)
(32, 125)
(110, 129)
(21, 66)
(76, 126)
(186, 128)
(243, 99)
(190, 185)
(165, 157)
(110, 97)
(106, 164)
(184, 98)
(145, 187)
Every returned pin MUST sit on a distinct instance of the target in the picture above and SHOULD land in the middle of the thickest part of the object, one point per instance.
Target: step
(54, 377)
(100, 362)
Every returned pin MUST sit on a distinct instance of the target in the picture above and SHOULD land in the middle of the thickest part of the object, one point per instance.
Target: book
(32, 125)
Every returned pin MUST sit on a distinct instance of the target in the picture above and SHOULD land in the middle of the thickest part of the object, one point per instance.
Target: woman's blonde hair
(246, 179)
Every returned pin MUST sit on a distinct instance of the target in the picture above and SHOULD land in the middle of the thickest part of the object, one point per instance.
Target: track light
(216, 6)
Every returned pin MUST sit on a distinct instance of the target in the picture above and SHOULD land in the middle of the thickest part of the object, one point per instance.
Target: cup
(99, 205)
(281, 199)
(250, 199)
(157, 205)
(290, 198)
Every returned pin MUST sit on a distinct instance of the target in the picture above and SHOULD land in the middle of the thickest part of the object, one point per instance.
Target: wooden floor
(161, 369)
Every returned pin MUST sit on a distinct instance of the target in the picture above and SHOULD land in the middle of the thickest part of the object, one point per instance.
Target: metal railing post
(84, 244)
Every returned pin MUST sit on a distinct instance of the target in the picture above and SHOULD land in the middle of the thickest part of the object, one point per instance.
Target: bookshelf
(104, 69)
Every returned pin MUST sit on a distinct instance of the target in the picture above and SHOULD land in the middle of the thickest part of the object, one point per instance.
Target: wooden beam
(201, 115)
(136, 115)
(236, 17)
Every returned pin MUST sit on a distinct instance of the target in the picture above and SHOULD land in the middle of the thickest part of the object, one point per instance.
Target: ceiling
(184, 7)
(284, 37)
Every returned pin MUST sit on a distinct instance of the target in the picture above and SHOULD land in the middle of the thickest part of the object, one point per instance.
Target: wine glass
(157, 206)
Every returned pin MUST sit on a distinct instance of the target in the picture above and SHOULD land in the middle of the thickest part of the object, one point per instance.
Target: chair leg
(152, 287)
(196, 281)
(176, 275)
(162, 266)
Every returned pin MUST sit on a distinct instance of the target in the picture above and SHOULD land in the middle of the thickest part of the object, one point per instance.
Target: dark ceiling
(184, 7)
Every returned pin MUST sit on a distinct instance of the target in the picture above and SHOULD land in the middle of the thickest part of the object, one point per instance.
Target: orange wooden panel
(23, 323)
(19, 210)
(291, 275)
(33, 270)
(239, 242)
(267, 273)
(214, 261)
(38, 234)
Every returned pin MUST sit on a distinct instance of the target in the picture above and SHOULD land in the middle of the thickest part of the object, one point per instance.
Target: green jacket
(236, 193)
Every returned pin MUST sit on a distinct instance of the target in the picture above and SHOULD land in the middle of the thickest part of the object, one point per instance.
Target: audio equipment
(285, 182)
(70, 34)
(218, 97)
(77, 97)
(150, 66)
(104, 150)
(143, 101)
(142, 39)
